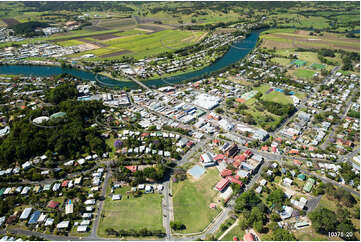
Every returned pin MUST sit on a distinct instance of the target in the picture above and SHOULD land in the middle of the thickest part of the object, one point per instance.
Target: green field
(133, 213)
(304, 74)
(70, 42)
(191, 199)
(142, 45)
(273, 96)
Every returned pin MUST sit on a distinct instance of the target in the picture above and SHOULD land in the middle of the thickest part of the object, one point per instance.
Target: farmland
(292, 38)
(140, 45)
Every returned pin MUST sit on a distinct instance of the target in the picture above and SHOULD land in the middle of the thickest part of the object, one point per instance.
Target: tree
(276, 197)
(246, 201)
(282, 235)
(324, 220)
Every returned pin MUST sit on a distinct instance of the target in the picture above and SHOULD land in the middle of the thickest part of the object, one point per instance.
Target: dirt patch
(10, 21)
(105, 37)
(123, 52)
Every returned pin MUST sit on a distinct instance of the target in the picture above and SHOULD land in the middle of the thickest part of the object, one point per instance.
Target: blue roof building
(34, 217)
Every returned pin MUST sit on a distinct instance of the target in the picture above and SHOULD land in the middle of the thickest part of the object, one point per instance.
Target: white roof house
(82, 228)
(63, 225)
(116, 197)
(25, 214)
(89, 202)
(49, 222)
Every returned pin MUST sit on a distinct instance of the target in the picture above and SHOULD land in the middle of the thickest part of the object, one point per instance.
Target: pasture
(287, 38)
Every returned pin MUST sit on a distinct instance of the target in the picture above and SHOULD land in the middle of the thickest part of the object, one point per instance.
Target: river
(237, 52)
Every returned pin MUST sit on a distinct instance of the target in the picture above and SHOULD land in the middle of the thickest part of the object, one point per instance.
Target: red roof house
(222, 184)
(248, 237)
(132, 168)
(248, 153)
(240, 158)
(236, 164)
(53, 204)
(264, 148)
(274, 149)
(234, 180)
(226, 172)
(65, 183)
(219, 157)
(297, 162)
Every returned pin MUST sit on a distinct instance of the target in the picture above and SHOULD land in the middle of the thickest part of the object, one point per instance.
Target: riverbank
(236, 53)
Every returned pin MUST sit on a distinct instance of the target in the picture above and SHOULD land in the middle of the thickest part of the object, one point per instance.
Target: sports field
(191, 199)
(133, 213)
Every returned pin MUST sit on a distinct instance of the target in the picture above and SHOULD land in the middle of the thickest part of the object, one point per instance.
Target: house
(25, 214)
(160, 188)
(299, 204)
(226, 172)
(207, 159)
(34, 217)
(148, 189)
(116, 197)
(82, 228)
(235, 180)
(63, 225)
(259, 189)
(69, 208)
(232, 151)
(222, 184)
(49, 222)
(263, 182)
(286, 212)
(53, 204)
(287, 182)
(301, 177)
(42, 218)
(249, 237)
(309, 184)
(89, 202)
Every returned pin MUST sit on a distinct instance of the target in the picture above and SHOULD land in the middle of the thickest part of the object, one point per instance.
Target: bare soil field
(10, 21)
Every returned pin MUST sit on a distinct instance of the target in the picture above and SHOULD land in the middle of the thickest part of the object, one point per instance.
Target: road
(167, 210)
(93, 234)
